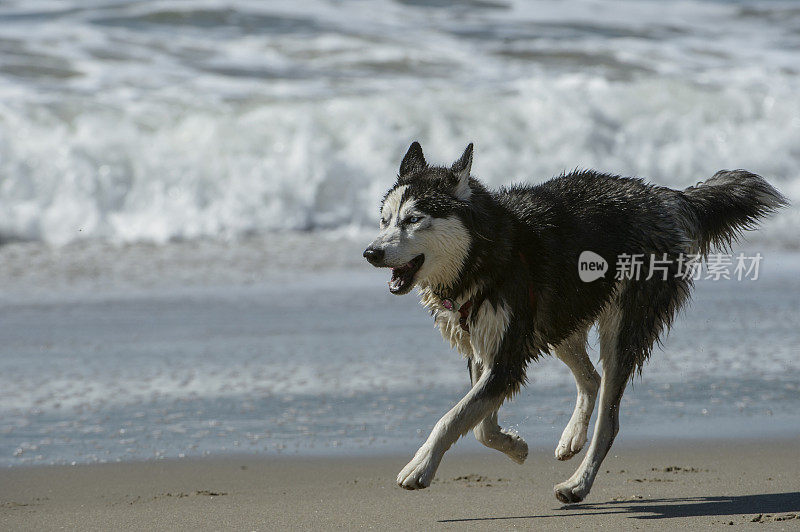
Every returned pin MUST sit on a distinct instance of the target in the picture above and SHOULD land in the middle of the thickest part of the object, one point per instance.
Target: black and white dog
(499, 272)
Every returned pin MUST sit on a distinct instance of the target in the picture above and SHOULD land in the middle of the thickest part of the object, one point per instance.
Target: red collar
(467, 306)
(463, 311)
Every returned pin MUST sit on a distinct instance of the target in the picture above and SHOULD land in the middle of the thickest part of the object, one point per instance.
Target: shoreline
(693, 485)
(670, 435)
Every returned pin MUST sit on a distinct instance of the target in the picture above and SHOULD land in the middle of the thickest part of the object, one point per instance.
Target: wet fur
(514, 253)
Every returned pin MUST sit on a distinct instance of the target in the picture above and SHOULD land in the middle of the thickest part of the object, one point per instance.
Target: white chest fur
(487, 329)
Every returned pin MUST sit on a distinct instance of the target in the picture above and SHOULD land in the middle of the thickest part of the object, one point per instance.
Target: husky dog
(498, 271)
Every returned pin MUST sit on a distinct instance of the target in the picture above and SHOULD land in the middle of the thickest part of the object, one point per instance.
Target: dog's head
(422, 237)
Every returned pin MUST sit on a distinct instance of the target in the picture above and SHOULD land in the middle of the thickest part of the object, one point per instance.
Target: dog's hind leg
(616, 371)
(628, 328)
(572, 352)
(489, 432)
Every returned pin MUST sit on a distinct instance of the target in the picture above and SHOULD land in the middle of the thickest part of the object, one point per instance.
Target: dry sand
(691, 485)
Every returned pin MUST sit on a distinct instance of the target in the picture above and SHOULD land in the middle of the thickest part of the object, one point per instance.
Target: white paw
(571, 491)
(572, 441)
(505, 441)
(419, 472)
(514, 447)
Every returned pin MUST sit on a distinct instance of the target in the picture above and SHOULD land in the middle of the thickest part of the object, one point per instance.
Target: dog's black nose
(374, 256)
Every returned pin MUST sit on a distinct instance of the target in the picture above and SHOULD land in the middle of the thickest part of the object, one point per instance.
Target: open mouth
(403, 276)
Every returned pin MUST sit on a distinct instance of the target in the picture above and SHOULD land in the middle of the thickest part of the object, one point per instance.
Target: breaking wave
(168, 121)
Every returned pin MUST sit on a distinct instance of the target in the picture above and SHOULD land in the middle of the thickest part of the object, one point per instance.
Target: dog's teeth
(394, 284)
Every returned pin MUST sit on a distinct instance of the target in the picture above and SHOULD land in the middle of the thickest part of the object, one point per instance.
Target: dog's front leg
(485, 397)
(489, 432)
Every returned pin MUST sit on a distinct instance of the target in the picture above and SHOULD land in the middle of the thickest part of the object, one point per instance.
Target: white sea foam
(174, 120)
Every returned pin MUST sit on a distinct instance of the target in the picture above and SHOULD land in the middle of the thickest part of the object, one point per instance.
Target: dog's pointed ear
(413, 160)
(461, 169)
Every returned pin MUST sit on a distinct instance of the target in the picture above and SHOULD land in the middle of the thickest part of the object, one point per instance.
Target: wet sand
(680, 486)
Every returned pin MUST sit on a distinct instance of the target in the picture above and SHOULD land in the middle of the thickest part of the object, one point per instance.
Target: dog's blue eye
(413, 219)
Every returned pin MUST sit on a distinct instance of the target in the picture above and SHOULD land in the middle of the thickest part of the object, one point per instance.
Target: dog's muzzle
(374, 256)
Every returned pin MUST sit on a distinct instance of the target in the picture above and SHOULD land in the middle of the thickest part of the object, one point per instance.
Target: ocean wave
(160, 172)
(163, 121)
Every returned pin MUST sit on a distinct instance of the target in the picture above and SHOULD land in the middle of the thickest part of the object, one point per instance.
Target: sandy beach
(705, 485)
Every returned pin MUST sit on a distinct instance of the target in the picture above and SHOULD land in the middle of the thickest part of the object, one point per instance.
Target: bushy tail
(731, 202)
